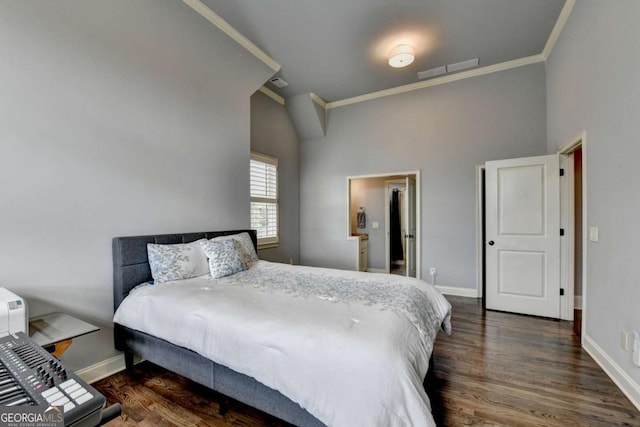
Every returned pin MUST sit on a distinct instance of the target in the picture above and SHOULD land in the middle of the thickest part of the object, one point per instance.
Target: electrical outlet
(433, 271)
(624, 340)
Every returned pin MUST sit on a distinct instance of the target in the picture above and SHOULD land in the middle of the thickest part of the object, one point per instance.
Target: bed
(303, 344)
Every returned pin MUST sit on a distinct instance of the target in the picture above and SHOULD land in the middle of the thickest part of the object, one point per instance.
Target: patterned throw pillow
(177, 262)
(245, 247)
(224, 257)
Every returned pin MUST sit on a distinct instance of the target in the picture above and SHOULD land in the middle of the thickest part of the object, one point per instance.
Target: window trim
(273, 241)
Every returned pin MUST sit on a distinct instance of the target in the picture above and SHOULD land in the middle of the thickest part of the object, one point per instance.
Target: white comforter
(351, 348)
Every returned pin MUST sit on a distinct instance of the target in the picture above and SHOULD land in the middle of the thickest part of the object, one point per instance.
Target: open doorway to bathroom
(396, 223)
(400, 226)
(384, 212)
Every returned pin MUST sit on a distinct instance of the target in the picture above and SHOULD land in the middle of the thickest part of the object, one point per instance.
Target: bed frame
(130, 268)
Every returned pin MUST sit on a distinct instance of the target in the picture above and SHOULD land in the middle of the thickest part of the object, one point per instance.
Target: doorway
(384, 210)
(577, 241)
(396, 226)
(575, 220)
(400, 226)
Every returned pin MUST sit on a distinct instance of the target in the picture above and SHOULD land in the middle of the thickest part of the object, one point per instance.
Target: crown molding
(225, 27)
(321, 102)
(558, 27)
(271, 94)
(521, 62)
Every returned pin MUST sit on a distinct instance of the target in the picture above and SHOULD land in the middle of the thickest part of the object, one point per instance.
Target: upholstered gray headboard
(130, 262)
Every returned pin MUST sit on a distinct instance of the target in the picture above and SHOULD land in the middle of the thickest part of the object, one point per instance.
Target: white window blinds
(264, 198)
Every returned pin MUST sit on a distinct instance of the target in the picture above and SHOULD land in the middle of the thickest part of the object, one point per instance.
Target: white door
(523, 235)
(410, 221)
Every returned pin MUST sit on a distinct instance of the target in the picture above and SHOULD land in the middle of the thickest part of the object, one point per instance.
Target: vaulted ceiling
(338, 49)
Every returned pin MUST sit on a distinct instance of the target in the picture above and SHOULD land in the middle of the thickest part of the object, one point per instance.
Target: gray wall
(593, 85)
(272, 133)
(117, 118)
(444, 131)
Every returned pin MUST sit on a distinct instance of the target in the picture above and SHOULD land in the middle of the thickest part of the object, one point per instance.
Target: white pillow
(224, 257)
(245, 247)
(177, 262)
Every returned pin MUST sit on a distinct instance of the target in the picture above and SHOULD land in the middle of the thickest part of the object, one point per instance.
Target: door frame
(567, 150)
(567, 221)
(480, 247)
(567, 244)
(389, 175)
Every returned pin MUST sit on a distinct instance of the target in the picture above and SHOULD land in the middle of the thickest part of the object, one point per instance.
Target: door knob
(491, 243)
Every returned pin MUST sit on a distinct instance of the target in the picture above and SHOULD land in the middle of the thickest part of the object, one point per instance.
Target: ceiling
(338, 49)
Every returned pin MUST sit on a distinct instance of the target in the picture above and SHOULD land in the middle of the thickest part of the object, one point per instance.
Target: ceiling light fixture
(401, 56)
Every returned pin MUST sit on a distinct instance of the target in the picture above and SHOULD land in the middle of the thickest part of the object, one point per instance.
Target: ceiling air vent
(462, 65)
(427, 74)
(278, 82)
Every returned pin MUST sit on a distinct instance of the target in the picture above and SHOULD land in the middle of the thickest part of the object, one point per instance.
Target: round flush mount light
(401, 56)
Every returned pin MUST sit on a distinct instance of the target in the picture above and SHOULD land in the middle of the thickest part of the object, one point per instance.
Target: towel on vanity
(362, 219)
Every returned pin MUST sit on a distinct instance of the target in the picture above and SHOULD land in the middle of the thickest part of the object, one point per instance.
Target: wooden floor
(511, 370)
(496, 369)
(153, 397)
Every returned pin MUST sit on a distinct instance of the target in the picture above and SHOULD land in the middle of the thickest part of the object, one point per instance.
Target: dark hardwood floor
(512, 370)
(496, 369)
(152, 397)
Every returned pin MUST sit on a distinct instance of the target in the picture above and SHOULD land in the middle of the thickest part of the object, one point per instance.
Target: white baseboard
(458, 292)
(376, 270)
(625, 383)
(102, 369)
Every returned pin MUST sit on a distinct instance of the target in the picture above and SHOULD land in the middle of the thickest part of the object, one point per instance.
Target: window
(264, 199)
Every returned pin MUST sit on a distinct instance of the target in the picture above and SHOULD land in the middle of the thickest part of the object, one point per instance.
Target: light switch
(375, 225)
(593, 234)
